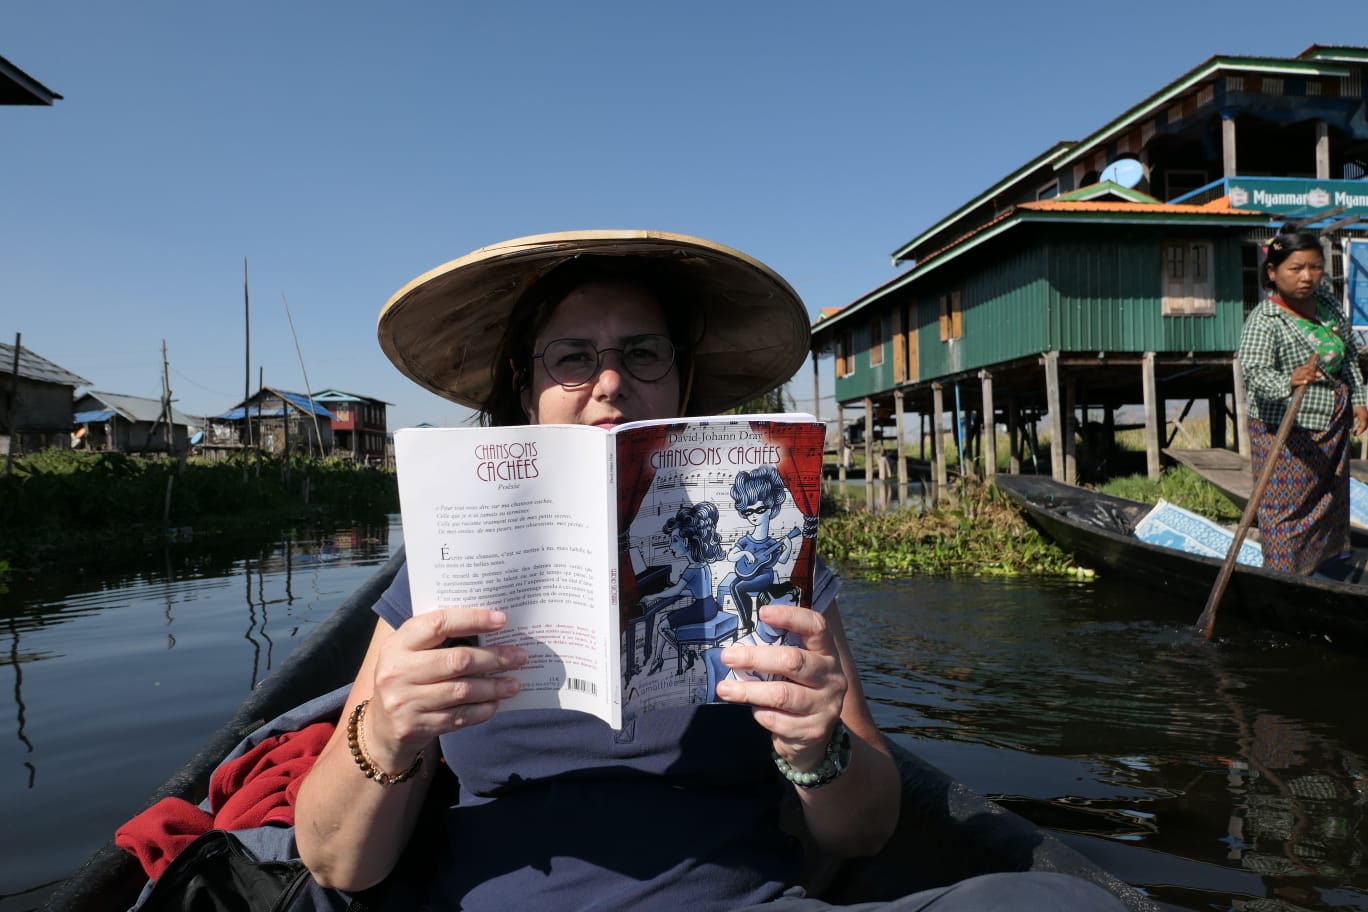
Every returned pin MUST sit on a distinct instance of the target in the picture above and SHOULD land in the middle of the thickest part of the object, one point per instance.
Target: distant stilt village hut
(35, 401)
(271, 421)
(360, 426)
(131, 424)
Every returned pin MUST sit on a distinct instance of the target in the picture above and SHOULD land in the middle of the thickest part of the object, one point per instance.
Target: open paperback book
(625, 560)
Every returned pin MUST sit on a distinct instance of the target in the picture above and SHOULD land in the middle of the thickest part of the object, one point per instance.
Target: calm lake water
(1216, 776)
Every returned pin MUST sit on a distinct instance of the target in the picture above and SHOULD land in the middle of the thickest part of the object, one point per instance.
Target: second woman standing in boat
(1303, 516)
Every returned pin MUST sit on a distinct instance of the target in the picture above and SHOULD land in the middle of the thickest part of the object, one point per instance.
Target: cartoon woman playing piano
(689, 600)
(757, 495)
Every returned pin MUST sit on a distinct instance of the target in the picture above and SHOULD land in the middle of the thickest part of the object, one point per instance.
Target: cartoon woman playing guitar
(757, 494)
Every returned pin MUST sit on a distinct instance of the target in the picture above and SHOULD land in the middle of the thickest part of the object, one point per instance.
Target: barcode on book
(582, 686)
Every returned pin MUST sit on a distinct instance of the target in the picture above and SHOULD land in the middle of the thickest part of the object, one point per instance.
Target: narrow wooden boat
(1229, 473)
(1097, 529)
(949, 832)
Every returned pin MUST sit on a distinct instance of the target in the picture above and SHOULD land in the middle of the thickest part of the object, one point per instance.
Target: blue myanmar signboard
(1298, 197)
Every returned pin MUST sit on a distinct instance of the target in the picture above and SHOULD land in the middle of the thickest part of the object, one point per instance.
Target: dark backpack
(217, 873)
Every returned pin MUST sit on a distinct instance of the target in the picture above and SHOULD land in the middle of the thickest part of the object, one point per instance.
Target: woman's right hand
(1305, 375)
(424, 688)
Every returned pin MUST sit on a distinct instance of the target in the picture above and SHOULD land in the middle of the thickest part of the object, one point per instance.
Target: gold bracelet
(356, 741)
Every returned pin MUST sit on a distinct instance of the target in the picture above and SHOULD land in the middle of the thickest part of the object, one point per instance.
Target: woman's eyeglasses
(574, 362)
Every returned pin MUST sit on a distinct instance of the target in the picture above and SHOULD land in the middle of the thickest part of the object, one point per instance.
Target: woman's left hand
(1360, 420)
(800, 708)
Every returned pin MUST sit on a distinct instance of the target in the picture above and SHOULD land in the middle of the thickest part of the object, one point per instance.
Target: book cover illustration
(715, 520)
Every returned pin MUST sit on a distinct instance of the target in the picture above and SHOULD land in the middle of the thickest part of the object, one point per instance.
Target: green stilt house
(1111, 273)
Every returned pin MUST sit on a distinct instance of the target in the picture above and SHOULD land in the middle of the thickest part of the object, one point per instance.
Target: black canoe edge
(1097, 529)
(111, 879)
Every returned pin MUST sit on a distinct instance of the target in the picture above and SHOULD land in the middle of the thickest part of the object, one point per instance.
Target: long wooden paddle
(1207, 621)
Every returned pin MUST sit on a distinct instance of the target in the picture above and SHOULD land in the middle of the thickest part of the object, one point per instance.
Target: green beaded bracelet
(833, 764)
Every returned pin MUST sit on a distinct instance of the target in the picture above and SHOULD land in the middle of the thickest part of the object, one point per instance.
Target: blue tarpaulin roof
(306, 406)
(92, 417)
(298, 400)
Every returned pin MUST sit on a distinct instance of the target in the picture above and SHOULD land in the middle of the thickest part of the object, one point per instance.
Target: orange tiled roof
(1221, 204)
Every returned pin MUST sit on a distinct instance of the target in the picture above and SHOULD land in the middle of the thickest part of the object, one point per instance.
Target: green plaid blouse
(1271, 347)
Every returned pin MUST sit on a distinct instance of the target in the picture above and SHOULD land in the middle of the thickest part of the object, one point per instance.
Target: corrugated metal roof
(19, 88)
(336, 395)
(1216, 212)
(136, 408)
(299, 400)
(306, 405)
(239, 413)
(36, 367)
(1220, 206)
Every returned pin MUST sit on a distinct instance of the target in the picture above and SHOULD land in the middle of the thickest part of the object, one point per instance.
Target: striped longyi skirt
(1304, 513)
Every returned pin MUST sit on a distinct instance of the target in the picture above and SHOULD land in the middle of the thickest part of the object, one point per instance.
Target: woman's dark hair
(1286, 244)
(512, 368)
(697, 525)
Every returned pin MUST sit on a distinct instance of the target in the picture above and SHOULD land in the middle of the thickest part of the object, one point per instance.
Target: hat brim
(443, 328)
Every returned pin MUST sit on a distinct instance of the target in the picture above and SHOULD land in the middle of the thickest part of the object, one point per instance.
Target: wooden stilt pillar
(1108, 436)
(1241, 409)
(1153, 419)
(1013, 437)
(901, 455)
(869, 451)
(842, 448)
(1216, 420)
(989, 425)
(938, 436)
(1056, 410)
(816, 392)
(1070, 430)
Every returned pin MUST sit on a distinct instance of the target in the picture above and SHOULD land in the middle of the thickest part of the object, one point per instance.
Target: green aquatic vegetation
(61, 502)
(975, 530)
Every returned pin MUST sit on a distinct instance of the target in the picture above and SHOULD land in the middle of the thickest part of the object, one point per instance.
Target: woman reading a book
(557, 810)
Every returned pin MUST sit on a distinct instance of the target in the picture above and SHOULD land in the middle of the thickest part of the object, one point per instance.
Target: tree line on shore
(56, 500)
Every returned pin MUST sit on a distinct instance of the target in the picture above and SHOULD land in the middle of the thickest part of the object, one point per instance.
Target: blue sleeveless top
(556, 810)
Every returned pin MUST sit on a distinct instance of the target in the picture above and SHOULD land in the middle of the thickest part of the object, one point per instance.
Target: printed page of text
(518, 518)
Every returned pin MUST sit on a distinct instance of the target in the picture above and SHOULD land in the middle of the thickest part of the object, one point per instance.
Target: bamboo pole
(308, 390)
(247, 374)
(13, 405)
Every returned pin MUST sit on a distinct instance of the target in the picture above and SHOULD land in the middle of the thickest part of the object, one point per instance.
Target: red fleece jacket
(252, 790)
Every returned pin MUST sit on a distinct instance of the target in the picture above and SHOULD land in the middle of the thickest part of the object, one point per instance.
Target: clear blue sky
(343, 148)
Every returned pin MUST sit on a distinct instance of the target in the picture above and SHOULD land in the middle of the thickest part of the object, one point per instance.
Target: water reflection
(1096, 712)
(1218, 776)
(20, 710)
(120, 675)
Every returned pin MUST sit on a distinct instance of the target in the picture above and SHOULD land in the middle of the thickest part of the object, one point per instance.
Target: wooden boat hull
(950, 832)
(1095, 528)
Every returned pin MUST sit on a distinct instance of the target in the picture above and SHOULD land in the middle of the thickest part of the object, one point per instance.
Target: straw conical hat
(442, 329)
